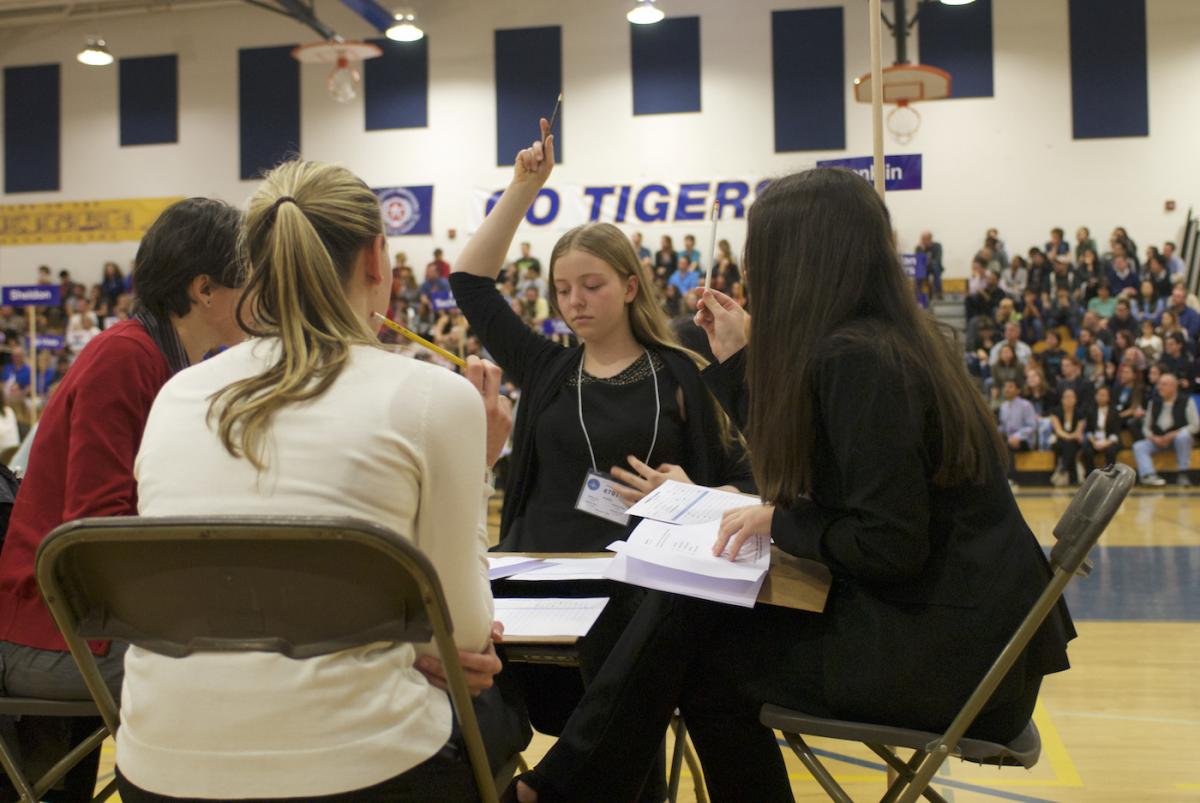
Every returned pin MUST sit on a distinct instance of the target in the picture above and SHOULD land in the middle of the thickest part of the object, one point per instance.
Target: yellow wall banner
(79, 221)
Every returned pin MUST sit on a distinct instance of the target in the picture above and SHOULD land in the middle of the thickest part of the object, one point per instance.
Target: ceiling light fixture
(957, 2)
(95, 53)
(645, 13)
(405, 28)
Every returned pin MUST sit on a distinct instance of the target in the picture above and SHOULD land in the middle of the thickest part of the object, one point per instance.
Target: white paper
(689, 548)
(661, 578)
(506, 566)
(567, 569)
(550, 617)
(680, 503)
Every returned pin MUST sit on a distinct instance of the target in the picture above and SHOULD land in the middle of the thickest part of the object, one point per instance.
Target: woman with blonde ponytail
(310, 417)
(599, 425)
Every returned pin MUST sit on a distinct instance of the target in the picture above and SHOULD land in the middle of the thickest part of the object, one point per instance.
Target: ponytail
(303, 233)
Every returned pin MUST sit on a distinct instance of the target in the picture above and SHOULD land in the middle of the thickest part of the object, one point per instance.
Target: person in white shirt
(311, 417)
(1012, 337)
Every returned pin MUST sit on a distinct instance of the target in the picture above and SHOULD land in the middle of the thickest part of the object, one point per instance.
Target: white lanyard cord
(657, 409)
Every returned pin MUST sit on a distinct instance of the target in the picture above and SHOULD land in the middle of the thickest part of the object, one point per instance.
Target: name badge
(599, 497)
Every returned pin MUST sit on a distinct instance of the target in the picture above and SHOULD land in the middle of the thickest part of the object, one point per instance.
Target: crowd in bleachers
(63, 329)
(1081, 350)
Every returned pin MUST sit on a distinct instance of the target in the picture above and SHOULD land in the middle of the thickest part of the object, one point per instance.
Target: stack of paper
(505, 566)
(548, 618)
(681, 503)
(566, 569)
(679, 559)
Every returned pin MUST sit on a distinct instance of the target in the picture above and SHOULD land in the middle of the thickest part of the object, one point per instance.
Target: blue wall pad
(666, 66)
(528, 80)
(268, 108)
(32, 131)
(149, 100)
(958, 39)
(809, 76)
(396, 85)
(1109, 95)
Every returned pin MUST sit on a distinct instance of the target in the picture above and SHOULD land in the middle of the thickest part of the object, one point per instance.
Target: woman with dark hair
(1068, 425)
(665, 258)
(113, 283)
(874, 454)
(1129, 398)
(188, 274)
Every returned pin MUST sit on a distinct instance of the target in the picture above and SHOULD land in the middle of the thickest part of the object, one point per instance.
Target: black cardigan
(540, 368)
(935, 579)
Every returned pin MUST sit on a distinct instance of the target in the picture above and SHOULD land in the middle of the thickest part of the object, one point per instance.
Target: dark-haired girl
(874, 454)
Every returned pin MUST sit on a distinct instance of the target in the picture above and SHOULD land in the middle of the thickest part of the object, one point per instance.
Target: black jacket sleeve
(870, 514)
(517, 349)
(726, 381)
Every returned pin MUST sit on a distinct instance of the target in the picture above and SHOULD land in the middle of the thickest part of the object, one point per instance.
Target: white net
(903, 122)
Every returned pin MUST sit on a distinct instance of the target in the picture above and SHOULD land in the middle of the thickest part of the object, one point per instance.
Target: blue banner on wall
(443, 301)
(31, 295)
(556, 326)
(406, 210)
(902, 171)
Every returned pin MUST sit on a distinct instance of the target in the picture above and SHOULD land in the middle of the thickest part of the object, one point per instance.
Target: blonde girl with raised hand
(600, 424)
(311, 417)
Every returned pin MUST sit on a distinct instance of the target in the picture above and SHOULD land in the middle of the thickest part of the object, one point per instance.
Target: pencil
(553, 117)
(420, 341)
(712, 245)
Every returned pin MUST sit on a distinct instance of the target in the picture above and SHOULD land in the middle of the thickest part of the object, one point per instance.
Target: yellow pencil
(420, 341)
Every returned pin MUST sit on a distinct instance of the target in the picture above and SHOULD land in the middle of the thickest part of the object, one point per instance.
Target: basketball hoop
(904, 84)
(344, 79)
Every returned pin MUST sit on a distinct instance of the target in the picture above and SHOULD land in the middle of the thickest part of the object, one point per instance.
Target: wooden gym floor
(1124, 723)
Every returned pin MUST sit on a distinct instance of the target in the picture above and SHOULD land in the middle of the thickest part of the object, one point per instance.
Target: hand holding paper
(741, 525)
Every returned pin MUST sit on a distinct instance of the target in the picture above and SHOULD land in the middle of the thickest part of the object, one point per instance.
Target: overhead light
(404, 29)
(95, 53)
(957, 2)
(645, 13)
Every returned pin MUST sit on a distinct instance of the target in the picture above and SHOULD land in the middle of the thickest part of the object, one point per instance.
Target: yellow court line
(1065, 774)
(1188, 787)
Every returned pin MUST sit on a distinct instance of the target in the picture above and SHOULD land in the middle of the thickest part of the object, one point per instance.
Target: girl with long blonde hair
(600, 424)
(311, 417)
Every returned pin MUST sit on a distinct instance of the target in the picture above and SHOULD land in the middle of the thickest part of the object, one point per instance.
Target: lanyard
(657, 409)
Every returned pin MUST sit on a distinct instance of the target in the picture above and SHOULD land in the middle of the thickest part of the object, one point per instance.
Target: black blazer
(540, 368)
(1112, 424)
(929, 582)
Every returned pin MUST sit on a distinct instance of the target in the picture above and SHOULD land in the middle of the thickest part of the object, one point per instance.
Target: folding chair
(298, 586)
(30, 790)
(1077, 532)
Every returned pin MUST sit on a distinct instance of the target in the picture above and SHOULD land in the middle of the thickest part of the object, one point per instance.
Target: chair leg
(9, 762)
(814, 765)
(108, 791)
(680, 730)
(693, 763)
(68, 762)
(905, 772)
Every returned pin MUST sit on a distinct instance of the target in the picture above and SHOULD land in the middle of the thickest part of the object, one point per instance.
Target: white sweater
(395, 441)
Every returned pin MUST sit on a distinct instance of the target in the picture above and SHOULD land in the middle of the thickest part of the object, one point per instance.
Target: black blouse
(619, 414)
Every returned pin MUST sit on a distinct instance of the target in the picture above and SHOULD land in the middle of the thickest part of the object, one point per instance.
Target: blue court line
(690, 505)
(939, 781)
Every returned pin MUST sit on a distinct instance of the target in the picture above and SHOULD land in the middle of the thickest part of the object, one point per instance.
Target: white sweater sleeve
(451, 526)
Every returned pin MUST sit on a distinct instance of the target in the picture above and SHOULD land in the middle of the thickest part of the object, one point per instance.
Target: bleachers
(1043, 461)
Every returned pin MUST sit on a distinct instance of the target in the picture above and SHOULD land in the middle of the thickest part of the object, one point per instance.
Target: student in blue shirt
(17, 371)
(685, 278)
(690, 252)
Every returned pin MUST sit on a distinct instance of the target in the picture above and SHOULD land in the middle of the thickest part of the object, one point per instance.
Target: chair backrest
(1088, 515)
(298, 586)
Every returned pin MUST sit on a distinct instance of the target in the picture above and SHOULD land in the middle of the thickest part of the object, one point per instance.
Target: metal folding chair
(31, 790)
(1077, 532)
(298, 586)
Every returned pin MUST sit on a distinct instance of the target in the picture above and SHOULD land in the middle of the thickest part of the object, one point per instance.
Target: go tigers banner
(79, 221)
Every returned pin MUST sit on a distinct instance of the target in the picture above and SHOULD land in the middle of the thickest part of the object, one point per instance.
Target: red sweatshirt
(81, 465)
